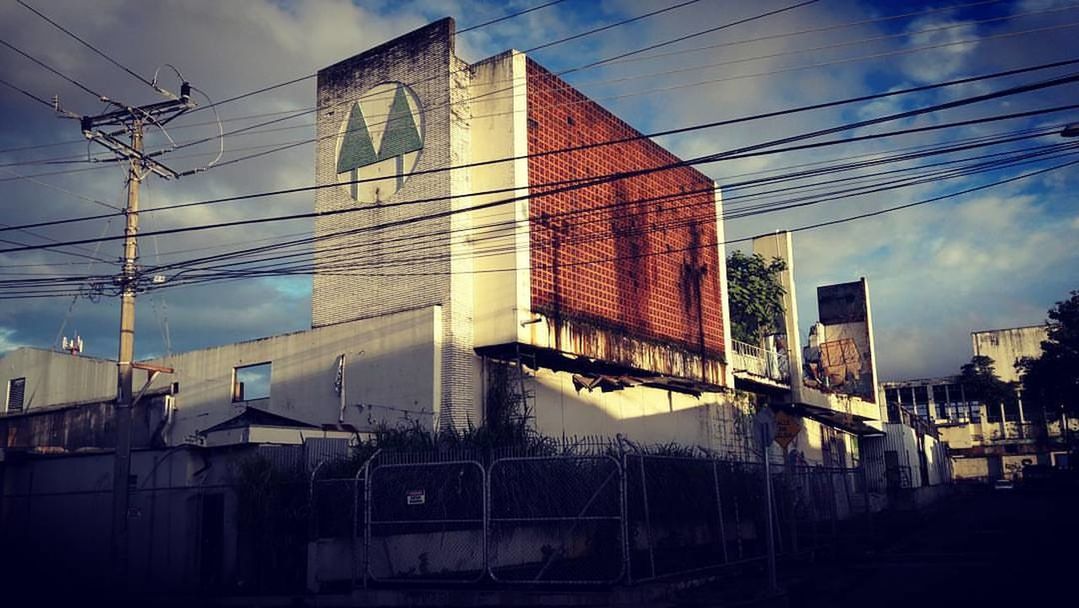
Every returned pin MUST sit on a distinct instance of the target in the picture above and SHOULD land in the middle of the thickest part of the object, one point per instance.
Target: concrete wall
(779, 245)
(971, 468)
(809, 446)
(1007, 346)
(501, 233)
(719, 422)
(392, 367)
(55, 516)
(924, 454)
(845, 315)
(957, 436)
(402, 274)
(54, 378)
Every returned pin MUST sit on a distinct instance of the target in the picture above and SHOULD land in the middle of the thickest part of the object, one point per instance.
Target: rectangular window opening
(16, 393)
(251, 382)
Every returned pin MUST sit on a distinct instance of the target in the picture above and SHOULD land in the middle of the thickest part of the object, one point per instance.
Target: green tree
(1052, 379)
(980, 380)
(756, 296)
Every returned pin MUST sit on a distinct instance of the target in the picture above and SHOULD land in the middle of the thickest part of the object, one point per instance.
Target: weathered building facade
(987, 441)
(555, 238)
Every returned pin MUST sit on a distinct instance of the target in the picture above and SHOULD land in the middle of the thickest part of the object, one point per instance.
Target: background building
(987, 441)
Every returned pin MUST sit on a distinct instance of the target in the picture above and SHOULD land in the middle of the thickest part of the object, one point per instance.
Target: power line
(569, 185)
(546, 45)
(730, 154)
(256, 128)
(271, 148)
(991, 140)
(86, 44)
(53, 70)
(693, 35)
(798, 229)
(626, 60)
(64, 190)
(923, 201)
(282, 271)
(297, 143)
(27, 93)
(510, 16)
(653, 254)
(378, 249)
(827, 28)
(604, 28)
(325, 266)
(593, 210)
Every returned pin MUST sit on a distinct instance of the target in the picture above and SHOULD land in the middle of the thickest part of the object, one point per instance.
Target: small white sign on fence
(416, 497)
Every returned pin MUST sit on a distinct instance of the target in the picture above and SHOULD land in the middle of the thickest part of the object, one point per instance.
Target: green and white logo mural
(379, 142)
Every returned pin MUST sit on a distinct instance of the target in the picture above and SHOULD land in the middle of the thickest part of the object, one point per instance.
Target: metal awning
(840, 420)
(593, 373)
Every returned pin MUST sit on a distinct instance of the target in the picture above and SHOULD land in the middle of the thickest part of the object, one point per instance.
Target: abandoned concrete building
(591, 306)
(987, 441)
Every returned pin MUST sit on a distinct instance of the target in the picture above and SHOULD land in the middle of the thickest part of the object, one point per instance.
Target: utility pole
(132, 121)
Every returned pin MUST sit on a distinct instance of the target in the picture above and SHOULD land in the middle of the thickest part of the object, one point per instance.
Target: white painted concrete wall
(719, 422)
(1007, 346)
(392, 366)
(55, 378)
(501, 236)
(780, 245)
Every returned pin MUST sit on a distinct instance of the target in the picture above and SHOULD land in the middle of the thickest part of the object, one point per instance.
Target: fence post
(719, 508)
(355, 517)
(834, 509)
(772, 584)
(846, 492)
(362, 470)
(792, 503)
(738, 524)
(868, 510)
(624, 508)
(367, 518)
(312, 523)
(485, 511)
(647, 511)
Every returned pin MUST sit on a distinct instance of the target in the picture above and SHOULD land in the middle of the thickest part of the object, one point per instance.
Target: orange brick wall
(603, 255)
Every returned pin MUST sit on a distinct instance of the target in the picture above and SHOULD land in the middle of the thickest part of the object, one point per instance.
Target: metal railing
(761, 362)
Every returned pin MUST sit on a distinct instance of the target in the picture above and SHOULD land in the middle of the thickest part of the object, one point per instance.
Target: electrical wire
(86, 44)
(52, 70)
(652, 229)
(729, 154)
(844, 25)
(510, 16)
(257, 128)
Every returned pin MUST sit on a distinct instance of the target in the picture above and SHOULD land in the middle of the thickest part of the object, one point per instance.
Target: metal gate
(425, 522)
(556, 520)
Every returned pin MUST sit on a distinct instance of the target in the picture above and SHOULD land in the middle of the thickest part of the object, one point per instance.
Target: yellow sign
(787, 428)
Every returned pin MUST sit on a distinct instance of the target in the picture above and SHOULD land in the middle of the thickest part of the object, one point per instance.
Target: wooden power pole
(132, 121)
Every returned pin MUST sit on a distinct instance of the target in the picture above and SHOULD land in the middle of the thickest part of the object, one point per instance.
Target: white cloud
(943, 62)
(8, 341)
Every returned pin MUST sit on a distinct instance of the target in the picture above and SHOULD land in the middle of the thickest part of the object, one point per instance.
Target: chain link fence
(555, 520)
(608, 514)
(426, 522)
(594, 515)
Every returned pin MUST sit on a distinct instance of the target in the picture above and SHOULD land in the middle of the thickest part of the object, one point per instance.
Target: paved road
(980, 548)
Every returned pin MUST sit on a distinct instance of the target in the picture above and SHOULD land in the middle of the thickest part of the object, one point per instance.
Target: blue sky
(996, 258)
